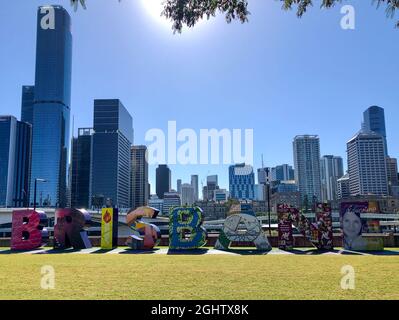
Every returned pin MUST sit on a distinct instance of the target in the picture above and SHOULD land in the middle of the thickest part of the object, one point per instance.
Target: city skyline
(340, 104)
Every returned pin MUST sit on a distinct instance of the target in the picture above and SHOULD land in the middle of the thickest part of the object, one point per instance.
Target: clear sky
(277, 74)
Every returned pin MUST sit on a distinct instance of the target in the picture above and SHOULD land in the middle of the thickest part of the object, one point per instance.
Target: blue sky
(277, 74)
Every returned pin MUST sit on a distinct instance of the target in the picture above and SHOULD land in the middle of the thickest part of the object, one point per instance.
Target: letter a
(48, 20)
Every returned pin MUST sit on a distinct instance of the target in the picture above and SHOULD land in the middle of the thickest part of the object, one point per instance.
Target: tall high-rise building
(374, 120)
(332, 168)
(139, 191)
(15, 161)
(187, 194)
(212, 185)
(263, 175)
(307, 166)
(163, 180)
(367, 164)
(27, 102)
(194, 183)
(242, 182)
(111, 152)
(51, 108)
(392, 172)
(283, 172)
(8, 130)
(343, 187)
(178, 184)
(23, 162)
(260, 192)
(81, 162)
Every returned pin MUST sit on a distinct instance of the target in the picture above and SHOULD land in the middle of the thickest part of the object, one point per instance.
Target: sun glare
(154, 9)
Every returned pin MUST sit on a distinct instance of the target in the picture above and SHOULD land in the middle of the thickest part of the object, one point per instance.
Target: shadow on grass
(315, 252)
(195, 252)
(132, 251)
(247, 252)
(385, 253)
(59, 251)
(377, 253)
(9, 251)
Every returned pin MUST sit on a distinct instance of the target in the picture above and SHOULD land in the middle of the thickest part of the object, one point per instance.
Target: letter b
(185, 229)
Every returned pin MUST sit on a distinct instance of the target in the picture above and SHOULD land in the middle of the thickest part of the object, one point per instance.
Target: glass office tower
(23, 156)
(242, 182)
(374, 120)
(8, 127)
(111, 156)
(51, 108)
(163, 180)
(28, 98)
(81, 162)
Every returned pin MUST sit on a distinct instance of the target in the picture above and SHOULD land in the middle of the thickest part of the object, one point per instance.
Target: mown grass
(99, 276)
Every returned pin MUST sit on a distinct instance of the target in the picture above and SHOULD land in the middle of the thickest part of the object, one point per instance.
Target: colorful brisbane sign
(186, 231)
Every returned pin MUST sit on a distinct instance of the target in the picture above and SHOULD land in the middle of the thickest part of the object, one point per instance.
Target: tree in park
(189, 12)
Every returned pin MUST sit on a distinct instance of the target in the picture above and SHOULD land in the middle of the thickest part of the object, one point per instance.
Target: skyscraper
(332, 168)
(307, 166)
(8, 130)
(260, 192)
(392, 172)
(343, 187)
(367, 164)
(210, 188)
(283, 172)
(23, 162)
(51, 108)
(163, 180)
(81, 162)
(111, 152)
(262, 175)
(194, 183)
(139, 191)
(374, 120)
(187, 194)
(242, 182)
(178, 184)
(28, 98)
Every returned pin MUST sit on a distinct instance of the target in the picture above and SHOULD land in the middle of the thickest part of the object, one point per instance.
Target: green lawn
(129, 276)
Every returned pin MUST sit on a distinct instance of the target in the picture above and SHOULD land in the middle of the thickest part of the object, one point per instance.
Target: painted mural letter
(71, 229)
(145, 235)
(28, 229)
(109, 228)
(185, 228)
(243, 228)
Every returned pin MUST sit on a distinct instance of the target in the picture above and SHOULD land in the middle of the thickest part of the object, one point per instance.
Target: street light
(34, 195)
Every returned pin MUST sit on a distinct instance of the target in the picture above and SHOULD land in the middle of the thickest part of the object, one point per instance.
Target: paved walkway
(203, 251)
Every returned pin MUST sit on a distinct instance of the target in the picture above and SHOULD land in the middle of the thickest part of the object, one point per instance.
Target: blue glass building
(283, 173)
(111, 155)
(374, 120)
(81, 162)
(51, 108)
(28, 98)
(23, 161)
(242, 182)
(8, 127)
(163, 180)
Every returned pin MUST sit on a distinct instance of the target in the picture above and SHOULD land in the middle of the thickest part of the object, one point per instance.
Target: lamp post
(34, 194)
